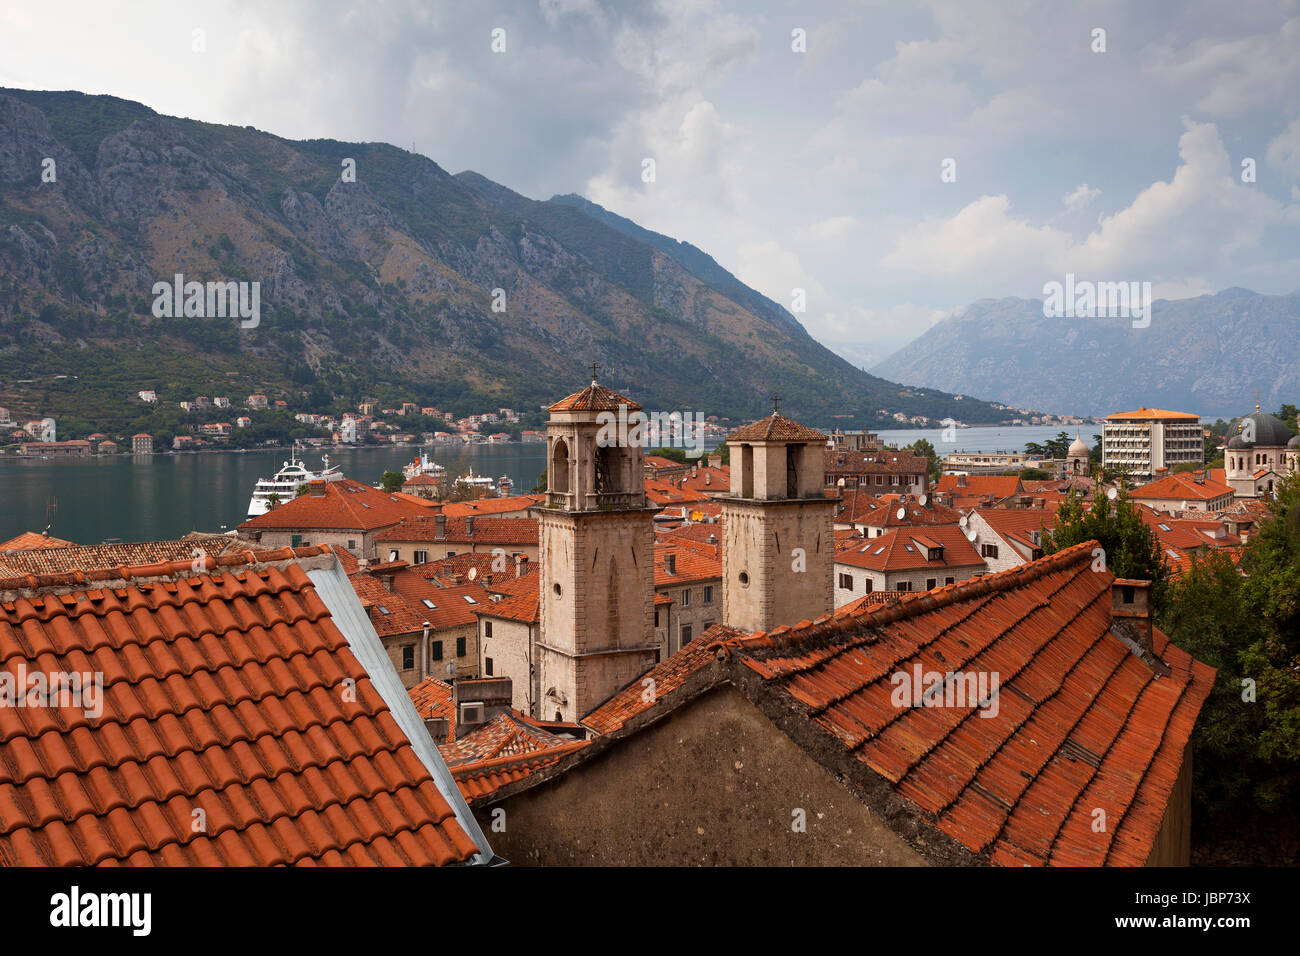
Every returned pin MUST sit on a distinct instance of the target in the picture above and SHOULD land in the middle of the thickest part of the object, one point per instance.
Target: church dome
(1269, 431)
(1078, 448)
(1236, 441)
(1294, 442)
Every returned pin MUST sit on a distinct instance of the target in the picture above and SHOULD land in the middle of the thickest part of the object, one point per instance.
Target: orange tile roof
(900, 514)
(690, 566)
(220, 694)
(506, 749)
(1180, 487)
(491, 506)
(483, 779)
(432, 699)
(999, 486)
(34, 541)
(91, 556)
(451, 609)
(903, 550)
(345, 505)
(594, 398)
(523, 606)
(512, 531)
(667, 676)
(1144, 414)
(776, 428)
(1017, 524)
(1082, 722)
(663, 492)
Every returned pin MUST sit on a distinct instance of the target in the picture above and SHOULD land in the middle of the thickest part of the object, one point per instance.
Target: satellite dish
(920, 500)
(451, 669)
(970, 534)
(473, 573)
(1112, 494)
(902, 513)
(965, 520)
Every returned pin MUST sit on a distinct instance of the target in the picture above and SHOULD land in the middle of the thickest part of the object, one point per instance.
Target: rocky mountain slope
(382, 286)
(1207, 355)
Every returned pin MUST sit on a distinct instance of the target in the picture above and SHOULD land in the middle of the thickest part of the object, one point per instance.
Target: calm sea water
(165, 496)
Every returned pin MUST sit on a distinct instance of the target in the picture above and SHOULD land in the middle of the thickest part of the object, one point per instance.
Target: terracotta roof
(1018, 524)
(1180, 487)
(663, 492)
(1142, 414)
(594, 398)
(905, 549)
(883, 461)
(390, 614)
(689, 566)
(513, 531)
(85, 557)
(667, 676)
(221, 694)
(776, 428)
(899, 514)
(1082, 722)
(34, 541)
(999, 486)
(451, 607)
(346, 505)
(432, 699)
(482, 779)
(491, 506)
(524, 606)
(505, 750)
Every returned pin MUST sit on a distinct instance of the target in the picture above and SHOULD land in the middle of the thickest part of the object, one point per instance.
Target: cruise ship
(284, 483)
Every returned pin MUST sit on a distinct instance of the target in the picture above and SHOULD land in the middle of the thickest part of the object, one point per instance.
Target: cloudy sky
(820, 169)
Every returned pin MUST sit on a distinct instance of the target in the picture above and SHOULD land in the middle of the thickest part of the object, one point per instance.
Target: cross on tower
(594, 369)
(776, 403)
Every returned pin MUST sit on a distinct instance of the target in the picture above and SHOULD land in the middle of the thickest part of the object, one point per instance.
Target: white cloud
(1284, 152)
(1080, 197)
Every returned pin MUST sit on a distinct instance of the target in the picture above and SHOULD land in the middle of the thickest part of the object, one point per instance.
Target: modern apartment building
(1141, 443)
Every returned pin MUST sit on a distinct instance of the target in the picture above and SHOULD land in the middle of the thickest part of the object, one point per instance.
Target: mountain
(382, 286)
(1207, 355)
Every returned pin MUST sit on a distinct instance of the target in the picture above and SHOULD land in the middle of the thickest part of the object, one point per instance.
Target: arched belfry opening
(557, 474)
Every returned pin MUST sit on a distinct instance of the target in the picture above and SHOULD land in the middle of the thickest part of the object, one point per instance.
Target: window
(708, 595)
(451, 554)
(686, 634)
(421, 557)
(460, 647)
(988, 550)
(930, 583)
(867, 585)
(437, 650)
(352, 544)
(686, 598)
(392, 554)
(296, 541)
(468, 599)
(408, 657)
(656, 618)
(429, 604)
(487, 631)
(949, 580)
(487, 663)
(904, 585)
(846, 582)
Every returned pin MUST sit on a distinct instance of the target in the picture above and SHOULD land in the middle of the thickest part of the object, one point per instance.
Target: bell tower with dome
(1076, 459)
(596, 558)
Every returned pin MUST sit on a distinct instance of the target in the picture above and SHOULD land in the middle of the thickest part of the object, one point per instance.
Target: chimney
(1130, 619)
(440, 525)
(478, 700)
(521, 563)
(961, 481)
(708, 478)
(316, 488)
(469, 525)
(670, 563)
(715, 461)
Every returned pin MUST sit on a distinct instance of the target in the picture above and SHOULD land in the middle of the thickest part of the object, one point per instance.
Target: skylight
(429, 604)
(468, 599)
(384, 610)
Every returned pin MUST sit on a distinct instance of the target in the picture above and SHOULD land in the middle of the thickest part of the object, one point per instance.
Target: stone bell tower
(596, 556)
(778, 557)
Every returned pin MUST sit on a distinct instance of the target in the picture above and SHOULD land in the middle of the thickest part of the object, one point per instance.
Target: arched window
(557, 477)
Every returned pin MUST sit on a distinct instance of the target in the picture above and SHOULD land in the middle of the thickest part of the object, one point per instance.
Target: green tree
(1034, 474)
(1130, 548)
(540, 487)
(392, 481)
(923, 448)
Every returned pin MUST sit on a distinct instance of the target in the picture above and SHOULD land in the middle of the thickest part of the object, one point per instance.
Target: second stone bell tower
(779, 549)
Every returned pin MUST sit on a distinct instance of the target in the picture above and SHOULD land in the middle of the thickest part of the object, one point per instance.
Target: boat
(284, 483)
(424, 465)
(479, 483)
